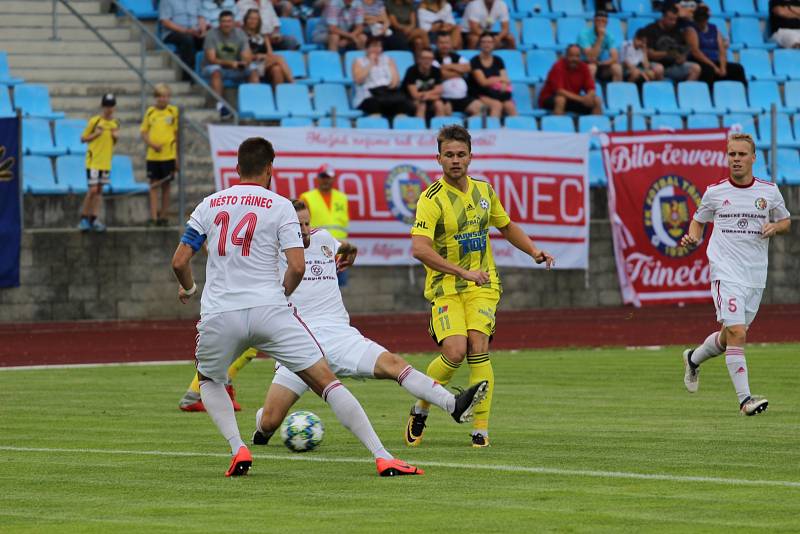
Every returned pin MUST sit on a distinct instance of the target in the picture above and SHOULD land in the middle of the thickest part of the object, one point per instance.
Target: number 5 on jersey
(223, 220)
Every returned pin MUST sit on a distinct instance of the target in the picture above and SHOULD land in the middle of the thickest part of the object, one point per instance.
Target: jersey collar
(457, 190)
(740, 186)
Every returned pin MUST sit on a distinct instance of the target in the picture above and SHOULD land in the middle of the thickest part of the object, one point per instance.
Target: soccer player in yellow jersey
(451, 238)
(159, 131)
(102, 132)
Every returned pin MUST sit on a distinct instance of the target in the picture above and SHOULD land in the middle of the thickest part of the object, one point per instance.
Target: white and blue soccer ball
(302, 431)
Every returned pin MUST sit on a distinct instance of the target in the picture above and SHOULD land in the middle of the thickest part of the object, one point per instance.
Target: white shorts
(348, 354)
(276, 330)
(735, 304)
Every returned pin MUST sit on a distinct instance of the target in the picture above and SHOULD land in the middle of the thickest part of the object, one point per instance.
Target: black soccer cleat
(260, 438)
(414, 428)
(467, 399)
(479, 441)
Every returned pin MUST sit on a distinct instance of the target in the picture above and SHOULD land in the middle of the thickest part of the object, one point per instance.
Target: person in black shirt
(490, 79)
(423, 83)
(784, 22)
(666, 44)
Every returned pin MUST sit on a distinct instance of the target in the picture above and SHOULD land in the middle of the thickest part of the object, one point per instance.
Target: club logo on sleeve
(761, 203)
(484, 203)
(404, 185)
(326, 251)
(668, 205)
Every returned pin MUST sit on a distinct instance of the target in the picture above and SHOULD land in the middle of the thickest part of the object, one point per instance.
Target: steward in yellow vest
(328, 206)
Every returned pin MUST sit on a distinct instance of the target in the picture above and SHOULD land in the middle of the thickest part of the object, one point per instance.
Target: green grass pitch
(601, 440)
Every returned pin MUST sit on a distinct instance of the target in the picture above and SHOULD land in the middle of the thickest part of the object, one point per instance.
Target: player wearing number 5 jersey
(244, 302)
(451, 238)
(746, 212)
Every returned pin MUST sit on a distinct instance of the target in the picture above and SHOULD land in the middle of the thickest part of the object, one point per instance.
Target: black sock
(92, 219)
(692, 365)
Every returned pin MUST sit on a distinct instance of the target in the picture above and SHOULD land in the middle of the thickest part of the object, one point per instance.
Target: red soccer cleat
(193, 407)
(240, 464)
(396, 468)
(232, 394)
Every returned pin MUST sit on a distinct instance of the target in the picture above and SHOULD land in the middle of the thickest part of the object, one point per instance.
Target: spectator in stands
(377, 83)
(570, 86)
(159, 131)
(708, 48)
(228, 57)
(784, 22)
(270, 66)
(184, 27)
(455, 92)
(270, 23)
(423, 83)
(210, 10)
(342, 27)
(435, 17)
(403, 21)
(376, 21)
(666, 45)
(300, 9)
(480, 16)
(600, 50)
(490, 79)
(636, 67)
(685, 11)
(102, 132)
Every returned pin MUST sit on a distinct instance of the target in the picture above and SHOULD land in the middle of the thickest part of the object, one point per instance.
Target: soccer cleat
(240, 464)
(97, 226)
(191, 402)
(480, 441)
(259, 437)
(396, 468)
(414, 428)
(691, 376)
(232, 394)
(467, 399)
(84, 225)
(753, 406)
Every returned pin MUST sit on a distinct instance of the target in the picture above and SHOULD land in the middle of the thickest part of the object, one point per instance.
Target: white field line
(451, 465)
(90, 365)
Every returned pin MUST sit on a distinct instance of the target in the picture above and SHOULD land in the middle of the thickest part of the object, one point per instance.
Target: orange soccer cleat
(240, 464)
(395, 468)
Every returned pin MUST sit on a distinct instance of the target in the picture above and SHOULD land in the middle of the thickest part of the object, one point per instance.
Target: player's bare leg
(277, 403)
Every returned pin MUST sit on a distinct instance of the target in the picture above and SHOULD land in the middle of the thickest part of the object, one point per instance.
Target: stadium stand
(408, 123)
(256, 102)
(68, 135)
(660, 97)
(295, 101)
(34, 101)
(522, 122)
(5, 75)
(6, 109)
(331, 95)
(38, 140)
(122, 178)
(372, 123)
(38, 177)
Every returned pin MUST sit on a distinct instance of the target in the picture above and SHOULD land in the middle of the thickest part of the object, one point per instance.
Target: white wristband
(191, 291)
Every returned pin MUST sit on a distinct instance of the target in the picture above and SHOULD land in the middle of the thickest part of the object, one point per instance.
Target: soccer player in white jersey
(244, 302)
(319, 300)
(746, 213)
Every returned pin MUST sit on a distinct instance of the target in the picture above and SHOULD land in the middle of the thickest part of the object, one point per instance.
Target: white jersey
(246, 227)
(318, 298)
(737, 252)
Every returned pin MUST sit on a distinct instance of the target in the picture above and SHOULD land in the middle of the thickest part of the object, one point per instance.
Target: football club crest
(761, 203)
(326, 251)
(403, 187)
(668, 205)
(484, 203)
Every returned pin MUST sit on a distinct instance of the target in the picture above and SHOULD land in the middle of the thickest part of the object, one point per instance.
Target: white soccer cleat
(691, 377)
(754, 406)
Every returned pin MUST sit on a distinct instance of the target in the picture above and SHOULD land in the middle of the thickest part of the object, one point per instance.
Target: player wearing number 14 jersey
(746, 212)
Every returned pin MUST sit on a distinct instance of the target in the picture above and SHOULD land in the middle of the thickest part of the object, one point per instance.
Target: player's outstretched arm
(692, 238)
(296, 259)
(517, 237)
(422, 250)
(182, 267)
(345, 256)
(780, 227)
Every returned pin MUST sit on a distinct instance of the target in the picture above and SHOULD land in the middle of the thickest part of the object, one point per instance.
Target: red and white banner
(656, 181)
(541, 179)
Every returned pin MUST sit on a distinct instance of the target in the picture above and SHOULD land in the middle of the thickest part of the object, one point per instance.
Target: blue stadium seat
(730, 96)
(637, 23)
(715, 6)
(791, 91)
(68, 135)
(476, 123)
(537, 33)
(757, 65)
(71, 173)
(291, 26)
(297, 64)
(620, 123)
(334, 95)
(660, 97)
(122, 178)
(256, 102)
(38, 177)
(696, 97)
(6, 109)
(326, 66)
(620, 95)
(403, 59)
(438, 122)
(558, 123)
(594, 124)
(739, 8)
(408, 123)
(296, 122)
(722, 26)
(468, 54)
(295, 100)
(37, 139)
(614, 29)
(702, 121)
(521, 95)
(796, 121)
(532, 8)
(567, 30)
(515, 68)
(762, 7)
(597, 171)
(666, 122)
(764, 94)
(309, 33)
(760, 169)
(539, 63)
(141, 9)
(746, 33)
(5, 75)
(785, 136)
(568, 8)
(372, 123)
(637, 8)
(788, 166)
(787, 63)
(34, 101)
(521, 122)
(740, 122)
(341, 123)
(349, 57)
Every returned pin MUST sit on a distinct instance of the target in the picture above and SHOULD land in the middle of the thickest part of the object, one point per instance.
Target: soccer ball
(302, 431)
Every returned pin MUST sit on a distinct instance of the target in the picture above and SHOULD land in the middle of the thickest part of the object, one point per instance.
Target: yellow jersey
(162, 127)
(458, 224)
(100, 150)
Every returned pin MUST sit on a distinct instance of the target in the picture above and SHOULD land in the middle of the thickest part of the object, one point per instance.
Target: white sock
(219, 407)
(352, 416)
(737, 368)
(708, 349)
(426, 388)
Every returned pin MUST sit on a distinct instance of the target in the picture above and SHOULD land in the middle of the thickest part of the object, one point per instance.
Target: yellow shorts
(453, 315)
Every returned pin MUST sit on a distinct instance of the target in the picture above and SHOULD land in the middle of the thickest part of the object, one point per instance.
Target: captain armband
(193, 238)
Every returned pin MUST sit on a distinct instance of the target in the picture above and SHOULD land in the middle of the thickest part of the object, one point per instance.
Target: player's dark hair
(454, 132)
(641, 33)
(225, 13)
(669, 8)
(298, 204)
(373, 39)
(255, 154)
(486, 34)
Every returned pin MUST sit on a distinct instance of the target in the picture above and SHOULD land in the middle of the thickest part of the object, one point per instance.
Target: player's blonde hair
(161, 89)
(738, 136)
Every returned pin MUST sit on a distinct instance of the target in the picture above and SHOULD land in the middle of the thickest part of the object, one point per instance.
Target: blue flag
(10, 223)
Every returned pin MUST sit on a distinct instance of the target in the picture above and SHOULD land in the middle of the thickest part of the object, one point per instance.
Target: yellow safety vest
(334, 219)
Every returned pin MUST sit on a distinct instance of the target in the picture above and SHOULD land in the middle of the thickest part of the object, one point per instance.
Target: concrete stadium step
(46, 6)
(105, 61)
(67, 34)
(96, 89)
(92, 76)
(83, 104)
(90, 47)
(26, 20)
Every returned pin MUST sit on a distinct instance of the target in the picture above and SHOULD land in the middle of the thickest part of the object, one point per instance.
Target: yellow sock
(239, 363)
(480, 368)
(195, 385)
(440, 369)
